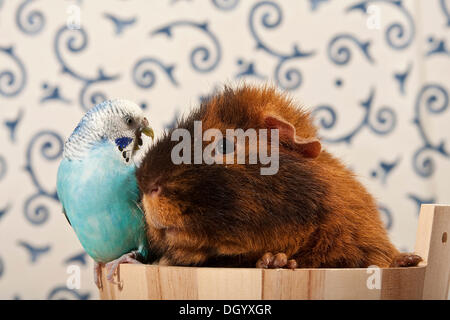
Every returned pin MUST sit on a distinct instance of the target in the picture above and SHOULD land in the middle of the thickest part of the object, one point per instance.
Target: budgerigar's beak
(146, 129)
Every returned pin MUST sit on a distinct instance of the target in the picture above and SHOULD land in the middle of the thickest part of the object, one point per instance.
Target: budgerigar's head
(119, 122)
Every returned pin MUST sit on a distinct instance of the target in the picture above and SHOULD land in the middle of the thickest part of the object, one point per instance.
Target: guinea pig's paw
(280, 260)
(404, 260)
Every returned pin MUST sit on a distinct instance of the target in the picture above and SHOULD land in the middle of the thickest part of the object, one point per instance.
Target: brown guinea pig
(312, 213)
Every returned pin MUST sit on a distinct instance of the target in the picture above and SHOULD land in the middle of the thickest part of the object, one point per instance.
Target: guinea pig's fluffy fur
(313, 210)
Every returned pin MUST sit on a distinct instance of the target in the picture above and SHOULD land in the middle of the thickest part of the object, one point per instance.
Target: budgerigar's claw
(113, 266)
(98, 275)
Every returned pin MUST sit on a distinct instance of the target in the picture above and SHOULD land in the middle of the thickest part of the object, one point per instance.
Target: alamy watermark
(374, 280)
(74, 17)
(73, 281)
(373, 17)
(230, 149)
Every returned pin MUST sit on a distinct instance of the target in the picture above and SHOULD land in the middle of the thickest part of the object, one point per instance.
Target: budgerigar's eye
(225, 146)
(129, 121)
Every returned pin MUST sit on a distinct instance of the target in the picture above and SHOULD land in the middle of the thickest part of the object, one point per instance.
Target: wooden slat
(178, 282)
(133, 282)
(325, 284)
(403, 283)
(278, 284)
(434, 222)
(222, 283)
(154, 282)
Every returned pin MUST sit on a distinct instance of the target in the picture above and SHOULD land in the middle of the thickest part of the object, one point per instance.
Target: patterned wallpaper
(375, 73)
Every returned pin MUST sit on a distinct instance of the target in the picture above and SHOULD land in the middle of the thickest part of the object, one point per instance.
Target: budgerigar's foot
(280, 260)
(113, 266)
(98, 274)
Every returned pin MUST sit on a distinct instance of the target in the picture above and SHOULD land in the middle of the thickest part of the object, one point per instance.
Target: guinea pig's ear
(309, 148)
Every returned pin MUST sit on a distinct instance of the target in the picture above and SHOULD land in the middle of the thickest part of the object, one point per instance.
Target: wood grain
(434, 226)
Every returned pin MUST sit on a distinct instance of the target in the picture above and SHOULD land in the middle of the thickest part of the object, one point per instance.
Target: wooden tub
(430, 280)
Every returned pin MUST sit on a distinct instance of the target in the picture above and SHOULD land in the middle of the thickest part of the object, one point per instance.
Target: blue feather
(100, 196)
(123, 142)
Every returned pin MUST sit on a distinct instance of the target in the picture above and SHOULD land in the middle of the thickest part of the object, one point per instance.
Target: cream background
(117, 54)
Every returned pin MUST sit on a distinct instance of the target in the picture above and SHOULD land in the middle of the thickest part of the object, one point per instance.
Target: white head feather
(110, 120)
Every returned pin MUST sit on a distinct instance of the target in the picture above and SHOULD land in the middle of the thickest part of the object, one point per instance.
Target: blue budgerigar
(97, 186)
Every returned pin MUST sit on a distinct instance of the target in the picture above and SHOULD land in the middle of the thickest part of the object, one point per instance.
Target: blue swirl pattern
(435, 99)
(74, 47)
(291, 78)
(397, 35)
(63, 293)
(201, 58)
(225, 5)
(9, 85)
(445, 11)
(378, 94)
(32, 22)
(341, 55)
(120, 24)
(386, 216)
(418, 201)
(50, 147)
(145, 77)
(385, 120)
(35, 252)
(4, 210)
(437, 47)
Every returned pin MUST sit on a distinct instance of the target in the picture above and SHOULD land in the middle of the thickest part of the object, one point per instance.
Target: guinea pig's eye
(129, 121)
(225, 146)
